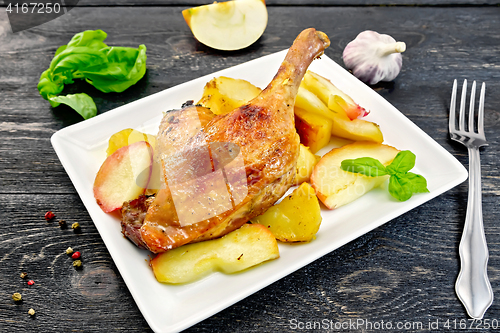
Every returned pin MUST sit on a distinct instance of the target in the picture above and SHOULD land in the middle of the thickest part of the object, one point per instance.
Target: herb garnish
(86, 56)
(402, 183)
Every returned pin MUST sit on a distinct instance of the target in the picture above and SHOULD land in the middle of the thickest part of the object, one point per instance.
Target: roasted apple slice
(310, 102)
(342, 126)
(336, 187)
(230, 25)
(245, 247)
(326, 90)
(123, 176)
(356, 129)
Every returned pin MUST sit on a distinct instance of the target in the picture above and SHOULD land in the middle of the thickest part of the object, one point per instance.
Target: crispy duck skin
(262, 134)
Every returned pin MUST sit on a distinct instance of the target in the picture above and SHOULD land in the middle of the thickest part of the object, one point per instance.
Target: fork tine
(461, 116)
(471, 108)
(480, 125)
(452, 121)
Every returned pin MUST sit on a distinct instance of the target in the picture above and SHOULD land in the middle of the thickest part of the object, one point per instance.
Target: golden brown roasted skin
(261, 135)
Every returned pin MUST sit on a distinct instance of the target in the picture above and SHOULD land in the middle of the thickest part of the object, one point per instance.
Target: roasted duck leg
(244, 160)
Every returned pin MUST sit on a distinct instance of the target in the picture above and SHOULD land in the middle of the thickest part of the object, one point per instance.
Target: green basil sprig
(402, 183)
(86, 56)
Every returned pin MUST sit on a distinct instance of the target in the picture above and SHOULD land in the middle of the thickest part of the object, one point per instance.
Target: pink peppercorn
(76, 255)
(49, 215)
(31, 282)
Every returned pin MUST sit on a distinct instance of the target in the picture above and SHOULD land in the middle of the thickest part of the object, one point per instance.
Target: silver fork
(472, 287)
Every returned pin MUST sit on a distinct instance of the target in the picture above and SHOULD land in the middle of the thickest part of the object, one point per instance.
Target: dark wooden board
(403, 271)
(348, 3)
(298, 2)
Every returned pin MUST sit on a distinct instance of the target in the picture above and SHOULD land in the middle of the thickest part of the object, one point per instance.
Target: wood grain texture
(190, 3)
(296, 2)
(403, 271)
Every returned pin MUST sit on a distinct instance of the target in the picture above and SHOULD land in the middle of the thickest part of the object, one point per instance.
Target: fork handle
(472, 286)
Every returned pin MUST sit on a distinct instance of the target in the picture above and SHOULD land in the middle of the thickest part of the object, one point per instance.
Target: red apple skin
(116, 180)
(355, 111)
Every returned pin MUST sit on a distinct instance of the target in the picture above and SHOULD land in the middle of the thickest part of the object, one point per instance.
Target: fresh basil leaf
(402, 163)
(90, 38)
(86, 56)
(400, 188)
(418, 182)
(402, 184)
(49, 87)
(60, 49)
(81, 103)
(124, 67)
(364, 165)
(74, 58)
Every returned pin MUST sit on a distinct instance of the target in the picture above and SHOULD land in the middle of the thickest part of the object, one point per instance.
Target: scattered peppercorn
(16, 297)
(31, 282)
(75, 255)
(31, 312)
(76, 227)
(49, 215)
(62, 224)
(23, 275)
(77, 263)
(69, 250)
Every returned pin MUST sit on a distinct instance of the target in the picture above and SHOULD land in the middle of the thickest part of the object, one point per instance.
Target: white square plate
(169, 308)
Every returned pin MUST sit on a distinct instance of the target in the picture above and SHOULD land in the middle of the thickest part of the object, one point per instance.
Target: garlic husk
(374, 57)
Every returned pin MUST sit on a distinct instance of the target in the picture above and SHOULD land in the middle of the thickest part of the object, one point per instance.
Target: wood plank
(403, 271)
(297, 2)
(192, 3)
(64, 298)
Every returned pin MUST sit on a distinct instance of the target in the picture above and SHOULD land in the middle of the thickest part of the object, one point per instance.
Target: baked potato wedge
(224, 94)
(127, 137)
(296, 218)
(314, 130)
(305, 164)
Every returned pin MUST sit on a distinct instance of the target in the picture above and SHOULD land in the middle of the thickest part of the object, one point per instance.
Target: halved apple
(230, 25)
(123, 176)
(336, 187)
(245, 247)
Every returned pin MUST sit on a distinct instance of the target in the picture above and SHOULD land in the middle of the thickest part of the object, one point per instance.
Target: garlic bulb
(374, 57)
